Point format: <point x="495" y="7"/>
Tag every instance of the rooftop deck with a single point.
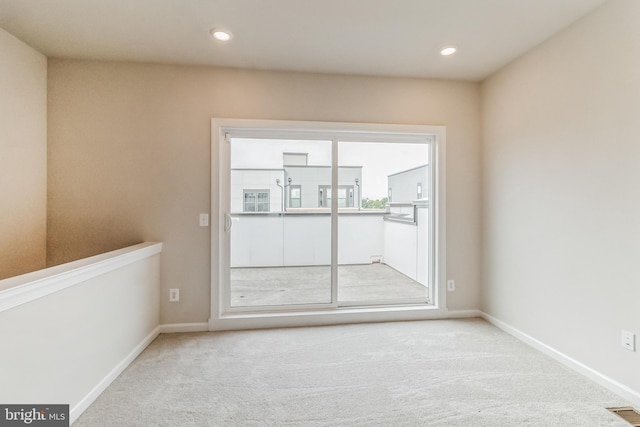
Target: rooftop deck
<point x="252" y="287"/>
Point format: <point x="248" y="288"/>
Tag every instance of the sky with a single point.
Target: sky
<point x="378" y="159"/>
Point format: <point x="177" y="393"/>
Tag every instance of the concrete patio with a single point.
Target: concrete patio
<point x="251" y="287"/>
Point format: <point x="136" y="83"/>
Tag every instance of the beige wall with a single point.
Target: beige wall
<point x="130" y="157"/>
<point x="561" y="156"/>
<point x="23" y="157"/>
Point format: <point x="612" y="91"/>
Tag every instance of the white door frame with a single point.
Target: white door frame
<point x="222" y="129"/>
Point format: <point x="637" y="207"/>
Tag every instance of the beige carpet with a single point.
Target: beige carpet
<point x="429" y="373"/>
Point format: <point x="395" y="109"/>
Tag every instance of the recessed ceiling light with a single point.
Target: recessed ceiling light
<point x="448" y="51"/>
<point x="221" y="35"/>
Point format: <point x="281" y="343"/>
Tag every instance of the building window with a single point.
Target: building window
<point x="390" y="194"/>
<point x="295" y="196"/>
<point x="419" y="190"/>
<point x="256" y="200"/>
<point x="345" y="196"/>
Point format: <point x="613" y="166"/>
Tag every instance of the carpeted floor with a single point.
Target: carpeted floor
<point x="429" y="373"/>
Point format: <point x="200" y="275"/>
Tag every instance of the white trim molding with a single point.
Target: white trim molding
<point x="335" y="317"/>
<point x="622" y="390"/>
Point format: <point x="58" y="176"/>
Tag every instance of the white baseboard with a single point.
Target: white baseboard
<point x="622" y="390"/>
<point x="464" y="314"/>
<point x="184" y="327"/>
<point x="77" y="410"/>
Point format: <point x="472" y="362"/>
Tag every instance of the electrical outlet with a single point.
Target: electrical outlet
<point x="174" y="295"/>
<point x="204" y="220"/>
<point x="451" y="285"/>
<point x="629" y="340"/>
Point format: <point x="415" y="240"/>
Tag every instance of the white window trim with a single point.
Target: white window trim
<point x="221" y="129"/>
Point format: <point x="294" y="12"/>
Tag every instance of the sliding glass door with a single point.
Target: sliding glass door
<point x="325" y="220"/>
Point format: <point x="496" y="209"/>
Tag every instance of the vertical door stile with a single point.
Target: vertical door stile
<point x="334" y="222"/>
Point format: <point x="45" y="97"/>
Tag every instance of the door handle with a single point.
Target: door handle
<point x="228" y="223"/>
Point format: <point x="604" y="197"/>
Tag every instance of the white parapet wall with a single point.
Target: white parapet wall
<point x="68" y="331"/>
<point x="400" y="246"/>
<point x="275" y="240"/>
<point x="406" y="240"/>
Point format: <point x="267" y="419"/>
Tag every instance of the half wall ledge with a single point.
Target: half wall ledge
<point x="28" y="287"/>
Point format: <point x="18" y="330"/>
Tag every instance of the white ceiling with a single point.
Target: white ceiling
<point x="369" y="37"/>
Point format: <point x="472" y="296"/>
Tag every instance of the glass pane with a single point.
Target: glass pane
<point x="383" y="245"/>
<point x="342" y="197"/>
<point x="279" y="256"/>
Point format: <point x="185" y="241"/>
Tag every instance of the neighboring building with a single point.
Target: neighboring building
<point x="408" y="186"/>
<point x="256" y="190"/>
<point x="296" y="185"/>
<point x="310" y="186"/>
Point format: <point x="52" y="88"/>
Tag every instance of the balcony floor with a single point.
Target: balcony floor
<point x="253" y="286"/>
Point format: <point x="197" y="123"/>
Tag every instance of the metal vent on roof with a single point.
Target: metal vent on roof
<point x="628" y="414"/>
